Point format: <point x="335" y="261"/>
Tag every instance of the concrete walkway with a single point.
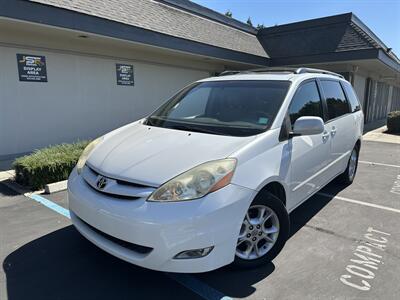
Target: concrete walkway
<point x="380" y="135"/>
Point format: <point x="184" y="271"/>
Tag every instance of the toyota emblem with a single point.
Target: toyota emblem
<point x="101" y="182"/>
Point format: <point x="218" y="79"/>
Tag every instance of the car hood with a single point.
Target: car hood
<point x="153" y="155"/>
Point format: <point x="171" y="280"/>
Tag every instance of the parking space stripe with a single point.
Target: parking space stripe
<point x="49" y="204"/>
<point x="197" y="286"/>
<point x="361" y="202"/>
<point x="378" y="164"/>
<point x="188" y="281"/>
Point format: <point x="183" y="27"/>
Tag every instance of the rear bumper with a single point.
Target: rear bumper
<point x="167" y="228"/>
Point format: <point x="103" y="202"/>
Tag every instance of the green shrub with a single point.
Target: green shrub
<point x="47" y="165"/>
<point x="393" y="121"/>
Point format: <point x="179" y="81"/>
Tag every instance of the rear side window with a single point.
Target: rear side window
<point x="351" y="95"/>
<point x="335" y="99"/>
<point x="306" y="102"/>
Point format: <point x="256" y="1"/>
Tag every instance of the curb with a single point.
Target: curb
<point x="55" y="187"/>
<point x="9" y="174"/>
<point x="7" y="178"/>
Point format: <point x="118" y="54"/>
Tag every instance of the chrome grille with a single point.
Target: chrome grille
<point x="115" y="187"/>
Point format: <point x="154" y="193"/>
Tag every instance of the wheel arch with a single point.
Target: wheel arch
<point x="275" y="188"/>
<point x="358" y="144"/>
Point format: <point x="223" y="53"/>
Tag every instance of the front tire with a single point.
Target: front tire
<point x="264" y="232"/>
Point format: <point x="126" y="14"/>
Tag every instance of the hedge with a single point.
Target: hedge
<point x="393" y="122"/>
<point x="47" y="165"/>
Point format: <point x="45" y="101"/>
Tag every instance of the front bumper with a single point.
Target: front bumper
<point x="167" y="228"/>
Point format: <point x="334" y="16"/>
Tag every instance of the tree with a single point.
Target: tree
<point x="228" y="14"/>
<point x="249" y="22"/>
<point x="260" y="26"/>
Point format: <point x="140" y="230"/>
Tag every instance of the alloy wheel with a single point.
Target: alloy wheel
<point x="353" y="164"/>
<point x="258" y="233"/>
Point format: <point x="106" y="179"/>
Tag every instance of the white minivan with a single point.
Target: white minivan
<point x="211" y="176"/>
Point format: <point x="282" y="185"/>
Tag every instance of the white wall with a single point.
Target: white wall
<point x="80" y="100"/>
<point x="359" y="87"/>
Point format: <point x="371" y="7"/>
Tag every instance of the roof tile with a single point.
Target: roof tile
<point x="159" y="17"/>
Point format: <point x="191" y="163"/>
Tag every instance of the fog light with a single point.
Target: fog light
<point x="196" y="253"/>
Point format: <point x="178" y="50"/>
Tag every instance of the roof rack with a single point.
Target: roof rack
<point x="281" y="70"/>
<point x="319" y="71"/>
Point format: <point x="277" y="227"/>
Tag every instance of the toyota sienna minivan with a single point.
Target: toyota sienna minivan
<point x="210" y="177"/>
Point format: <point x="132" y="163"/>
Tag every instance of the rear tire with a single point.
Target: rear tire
<point x="266" y="235"/>
<point x="347" y="177"/>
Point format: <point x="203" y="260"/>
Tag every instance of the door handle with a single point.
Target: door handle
<point x="325" y="136"/>
<point x="333" y="131"/>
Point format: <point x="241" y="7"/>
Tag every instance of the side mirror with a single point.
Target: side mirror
<point x="308" y="126"/>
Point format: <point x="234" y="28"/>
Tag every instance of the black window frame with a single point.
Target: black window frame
<point x="287" y="125"/>
<point x="326" y="103"/>
<point x="348" y="98"/>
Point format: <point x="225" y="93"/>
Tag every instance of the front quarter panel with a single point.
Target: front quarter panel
<point x="262" y="161"/>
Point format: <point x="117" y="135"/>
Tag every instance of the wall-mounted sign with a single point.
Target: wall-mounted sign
<point x="32" y="68"/>
<point x="125" y="74"/>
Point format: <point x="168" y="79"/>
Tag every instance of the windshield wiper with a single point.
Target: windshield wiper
<point x="149" y="122"/>
<point x="194" y="129"/>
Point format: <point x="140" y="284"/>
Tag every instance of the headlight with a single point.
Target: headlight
<point x="85" y="154"/>
<point x="196" y="182"/>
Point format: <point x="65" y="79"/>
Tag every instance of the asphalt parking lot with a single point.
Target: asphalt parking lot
<point x="345" y="244"/>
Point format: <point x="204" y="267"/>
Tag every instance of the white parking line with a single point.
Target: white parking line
<point x="361" y="202"/>
<point x="378" y="164"/>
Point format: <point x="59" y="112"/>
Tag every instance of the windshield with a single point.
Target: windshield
<point x="238" y="108"/>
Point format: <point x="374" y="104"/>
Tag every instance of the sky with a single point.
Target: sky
<point x="381" y="16"/>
